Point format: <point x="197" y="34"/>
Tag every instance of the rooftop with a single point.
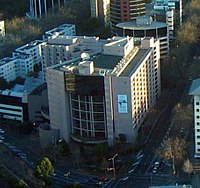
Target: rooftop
<point x="28" y="46"/>
<point x="195" y="87"/>
<point x="20" y="90"/>
<point x="133" y="25"/>
<point x="135" y="62"/>
<point x="6" y="60"/>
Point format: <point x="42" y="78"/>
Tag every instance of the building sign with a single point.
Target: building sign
<point x="122" y="104"/>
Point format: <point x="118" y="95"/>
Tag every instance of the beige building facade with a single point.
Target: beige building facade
<point x="97" y="97"/>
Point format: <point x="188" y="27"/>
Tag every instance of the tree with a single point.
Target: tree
<point x="189" y="33"/>
<point x="121" y="139"/>
<point x="44" y="169"/>
<point x="101" y="150"/>
<point x="104" y="164"/>
<point x="3" y="84"/>
<point x="64" y="148"/>
<point x="188" y="167"/>
<point x="174" y="149"/>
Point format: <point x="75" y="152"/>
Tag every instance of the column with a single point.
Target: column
<point x="35" y="7"/>
<point x="40" y="9"/>
<point x="45" y="7"/>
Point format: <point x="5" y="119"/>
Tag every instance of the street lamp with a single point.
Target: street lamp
<point x="113" y="164"/>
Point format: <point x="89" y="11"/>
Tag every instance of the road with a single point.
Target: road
<point x="140" y="173"/>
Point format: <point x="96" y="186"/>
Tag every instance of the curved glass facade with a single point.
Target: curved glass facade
<point x="88" y="117"/>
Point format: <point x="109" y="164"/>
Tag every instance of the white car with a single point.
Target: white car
<point x="154" y="171"/>
<point x="1" y="141"/>
<point x="155" y="167"/>
<point x="2" y="131"/>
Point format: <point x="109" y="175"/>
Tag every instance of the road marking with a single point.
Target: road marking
<point x="140" y="156"/>
<point x="138" y="153"/>
<point x="135" y="164"/>
<point x="124" y="179"/>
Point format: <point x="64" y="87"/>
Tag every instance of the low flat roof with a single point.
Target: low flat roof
<point x="133" y="26"/>
<point x="135" y="62"/>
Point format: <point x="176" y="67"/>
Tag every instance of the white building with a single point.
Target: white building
<point x="11" y="68"/>
<point x="62" y="30"/>
<point x="195" y="91"/>
<point x="32" y="49"/>
<point x="99" y="95"/>
<point x="175" y="5"/>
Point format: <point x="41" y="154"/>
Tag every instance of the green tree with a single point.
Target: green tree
<point x="64" y="148"/>
<point x="101" y="150"/>
<point x="189" y="33"/>
<point x="44" y="169"/>
<point x="174" y="149"/>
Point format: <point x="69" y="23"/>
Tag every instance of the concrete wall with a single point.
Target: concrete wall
<point x="122" y="120"/>
<point x="58" y="103"/>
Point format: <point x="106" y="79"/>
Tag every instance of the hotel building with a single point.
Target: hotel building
<point x="106" y="91"/>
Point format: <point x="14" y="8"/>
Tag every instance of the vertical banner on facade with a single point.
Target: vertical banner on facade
<point x="122" y="104"/>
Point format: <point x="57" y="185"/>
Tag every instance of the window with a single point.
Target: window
<point x="197" y="117"/>
<point x="197" y="110"/>
<point x="197" y="123"/>
<point x="197" y="103"/>
<point x="198" y="130"/>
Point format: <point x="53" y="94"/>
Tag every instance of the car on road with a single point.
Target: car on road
<point x="2" y="131"/>
<point x="155" y="167"/>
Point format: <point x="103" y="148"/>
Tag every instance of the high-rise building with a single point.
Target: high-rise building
<point x="42" y="7"/>
<point x="105" y="92"/>
<point x="101" y="9"/>
<point x="195" y="92"/>
<point x="125" y="10"/>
